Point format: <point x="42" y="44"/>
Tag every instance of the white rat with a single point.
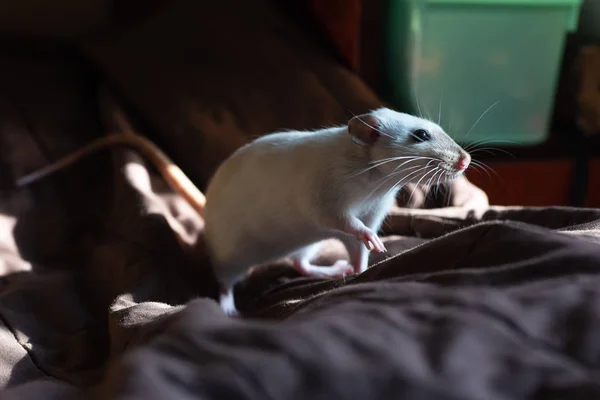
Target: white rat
<point x="284" y="193"/>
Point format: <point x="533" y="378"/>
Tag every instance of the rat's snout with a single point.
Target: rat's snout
<point x="463" y="161"/>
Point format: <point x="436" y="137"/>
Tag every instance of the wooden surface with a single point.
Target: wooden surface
<point x="593" y="198"/>
<point x="532" y="183"/>
<point x="535" y="183"/>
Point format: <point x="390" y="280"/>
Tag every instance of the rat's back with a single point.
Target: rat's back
<point x="255" y="200"/>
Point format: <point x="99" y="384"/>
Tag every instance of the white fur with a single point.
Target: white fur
<point x="284" y="193"/>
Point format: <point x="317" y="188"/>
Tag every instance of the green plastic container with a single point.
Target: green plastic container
<point x="470" y="55"/>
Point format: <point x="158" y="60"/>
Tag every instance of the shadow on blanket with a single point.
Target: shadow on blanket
<point x="102" y="298"/>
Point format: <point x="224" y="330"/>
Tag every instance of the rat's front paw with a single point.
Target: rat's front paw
<point x="227" y="303"/>
<point x="371" y="240"/>
<point x="364" y="234"/>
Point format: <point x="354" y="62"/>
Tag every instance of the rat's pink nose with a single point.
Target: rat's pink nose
<point x="463" y="162"/>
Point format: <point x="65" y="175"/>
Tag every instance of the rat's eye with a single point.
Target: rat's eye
<point x="421" y="135"/>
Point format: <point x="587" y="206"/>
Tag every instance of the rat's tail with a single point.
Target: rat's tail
<point x="174" y="176"/>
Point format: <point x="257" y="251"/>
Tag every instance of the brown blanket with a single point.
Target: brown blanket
<point x="105" y="296"/>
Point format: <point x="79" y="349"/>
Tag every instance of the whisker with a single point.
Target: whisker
<point x="380" y="164"/>
<point x="481" y="116"/>
<point x="417" y="185"/>
<point x="396" y="172"/>
<point x="440" y="180"/>
<point x="428" y="183"/>
<point x="443" y="188"/>
<point x="401" y="180"/>
<point x="449" y="196"/>
<point x="424" y="158"/>
<point x="372" y="127"/>
<point x="480" y="169"/>
<point x="483" y="141"/>
<point x="475" y="168"/>
<point x="440" y="109"/>
<point x="418" y="106"/>
<point x="481" y="164"/>
<point x="452" y="135"/>
<point x="491" y="149"/>
<point x="431" y="180"/>
<point x="388" y="161"/>
<point x="392" y="175"/>
<point x="488" y="168"/>
<point x="397" y="184"/>
<point x="437" y="188"/>
<point x="397" y="158"/>
<point x="443" y="184"/>
<point x="481" y="150"/>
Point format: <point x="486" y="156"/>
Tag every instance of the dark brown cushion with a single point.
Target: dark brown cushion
<point x="204" y="98"/>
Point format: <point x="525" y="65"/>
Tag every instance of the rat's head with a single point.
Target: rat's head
<point x="413" y="149"/>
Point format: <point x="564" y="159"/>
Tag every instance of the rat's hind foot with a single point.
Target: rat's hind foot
<point x="227" y="303"/>
<point x="338" y="270"/>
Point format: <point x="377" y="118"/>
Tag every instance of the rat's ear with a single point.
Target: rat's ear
<point x="364" y="129"/>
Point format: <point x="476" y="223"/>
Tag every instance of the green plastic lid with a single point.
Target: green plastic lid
<point x="536" y="3"/>
<point x="571" y="25"/>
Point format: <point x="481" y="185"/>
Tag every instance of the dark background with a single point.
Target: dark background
<point x="563" y="171"/>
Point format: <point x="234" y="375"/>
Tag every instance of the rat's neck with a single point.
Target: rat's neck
<point x="354" y="158"/>
<point x="374" y="180"/>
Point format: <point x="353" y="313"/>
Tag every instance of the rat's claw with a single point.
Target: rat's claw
<point x="372" y="241"/>
<point x="380" y="247"/>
